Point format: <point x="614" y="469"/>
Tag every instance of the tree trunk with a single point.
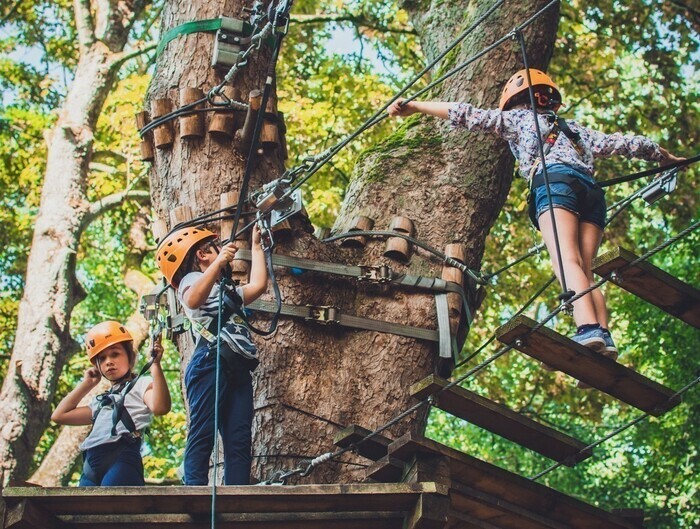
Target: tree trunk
<point x="43" y="342"/>
<point x="314" y="379"/>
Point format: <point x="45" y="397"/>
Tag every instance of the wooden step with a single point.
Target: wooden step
<point x="594" y="369"/>
<point x="502" y="421"/>
<point x="503" y="499"/>
<point x="374" y="448"/>
<point x="651" y="284"/>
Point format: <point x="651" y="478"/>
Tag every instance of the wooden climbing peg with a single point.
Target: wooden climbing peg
<point x="458" y="252"/>
<point x="398" y="248"/>
<point x="269" y="136"/>
<point x="191" y="125"/>
<point x="163" y="135"/>
<point x="283" y="153"/>
<point x="254" y="103"/>
<point x="223" y="124"/>
<point x="147" y="151"/>
<point x="359" y="223"/>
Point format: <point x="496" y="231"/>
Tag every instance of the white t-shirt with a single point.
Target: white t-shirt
<point x="235" y="332"/>
<point x="102" y="428"/>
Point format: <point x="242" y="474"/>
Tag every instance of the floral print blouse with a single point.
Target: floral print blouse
<point x="517" y="127"/>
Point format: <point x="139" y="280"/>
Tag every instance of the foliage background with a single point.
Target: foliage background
<point x="631" y="67"/>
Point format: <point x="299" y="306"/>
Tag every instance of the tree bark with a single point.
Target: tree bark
<point x="314" y="379"/>
<point x="43" y="342"/>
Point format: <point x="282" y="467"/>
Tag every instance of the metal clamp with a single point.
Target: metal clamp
<point x="375" y="274"/>
<point x="228" y="43"/>
<point x="323" y="314"/>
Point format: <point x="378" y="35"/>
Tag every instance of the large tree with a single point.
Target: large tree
<point x="313" y="379"/>
<point x="43" y="342"/>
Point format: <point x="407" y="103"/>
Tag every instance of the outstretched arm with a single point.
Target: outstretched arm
<point x="157" y="395"/>
<point x="438" y="109"/>
<point x="68" y="412"/>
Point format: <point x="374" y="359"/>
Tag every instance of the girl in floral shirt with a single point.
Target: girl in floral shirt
<point x="578" y="204"/>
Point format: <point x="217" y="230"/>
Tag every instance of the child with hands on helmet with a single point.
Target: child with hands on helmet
<point x="578" y="203"/>
<point x="193" y="263"/>
<point x="111" y="452"/>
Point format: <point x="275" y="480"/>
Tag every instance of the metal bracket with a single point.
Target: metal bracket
<point x="375" y="274"/>
<point x="661" y="187"/>
<point x="227" y="43"/>
<point x="272" y="198"/>
<point x="323" y="314"/>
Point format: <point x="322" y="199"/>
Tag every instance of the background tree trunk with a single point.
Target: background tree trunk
<point x="312" y="379"/>
<point x="43" y="342"/>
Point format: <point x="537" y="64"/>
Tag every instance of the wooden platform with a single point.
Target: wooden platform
<point x="502" y="421"/>
<point x="651" y="284"/>
<point x="485" y="496"/>
<point x="355" y="506"/>
<point x="583" y="364"/>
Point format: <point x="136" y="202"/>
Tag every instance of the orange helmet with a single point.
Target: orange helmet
<point x="173" y="250"/>
<point x="518" y="84"/>
<point x="105" y="334"/>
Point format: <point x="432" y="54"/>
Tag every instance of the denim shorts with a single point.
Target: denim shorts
<point x="584" y="200"/>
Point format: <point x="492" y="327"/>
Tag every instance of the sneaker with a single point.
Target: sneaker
<point x="594" y="339"/>
<point x="610" y="350"/>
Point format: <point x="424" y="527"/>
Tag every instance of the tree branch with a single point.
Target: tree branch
<point x="110" y="202"/>
<point x="83" y="22"/>
<point x="121" y="58"/>
<point x="358" y="20"/>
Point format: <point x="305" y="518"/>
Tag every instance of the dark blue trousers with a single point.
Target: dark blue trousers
<point x="235" y="420"/>
<point x="125" y="470"/>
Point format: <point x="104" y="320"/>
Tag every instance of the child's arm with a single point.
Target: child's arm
<point x="497" y="122"/>
<point x="68" y="412"/>
<point x="257" y="285"/>
<point x="629" y="146"/>
<point x="198" y="293"/>
<point x="157" y="395"/>
<point x="438" y="109"/>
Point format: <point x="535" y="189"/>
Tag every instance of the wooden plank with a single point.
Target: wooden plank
<point x="338" y="520"/>
<point x="374" y="448"/>
<point x="386" y="470"/>
<point x="460" y="520"/>
<point x="231" y="499"/>
<point x="430" y="512"/>
<point x="508" y="487"/>
<point x="502" y="421"/>
<point x="651" y="284"/>
<point x="583" y="364"/>
<point x="507" y="514"/>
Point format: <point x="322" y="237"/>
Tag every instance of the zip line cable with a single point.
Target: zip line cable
<point x="616" y="431"/>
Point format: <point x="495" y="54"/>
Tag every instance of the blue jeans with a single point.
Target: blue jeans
<point x="125" y="470"/>
<point x="235" y="420"/>
<point x="581" y="199"/>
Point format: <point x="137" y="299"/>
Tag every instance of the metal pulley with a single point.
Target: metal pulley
<point x="274" y="197"/>
<point x="661" y="187"/>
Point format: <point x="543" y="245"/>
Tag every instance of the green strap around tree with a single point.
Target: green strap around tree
<point x="196" y="26"/>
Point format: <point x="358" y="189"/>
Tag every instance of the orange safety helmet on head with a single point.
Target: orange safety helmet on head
<point x="105" y="334"/>
<point x="518" y="84"/>
<point x="173" y="250"/>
